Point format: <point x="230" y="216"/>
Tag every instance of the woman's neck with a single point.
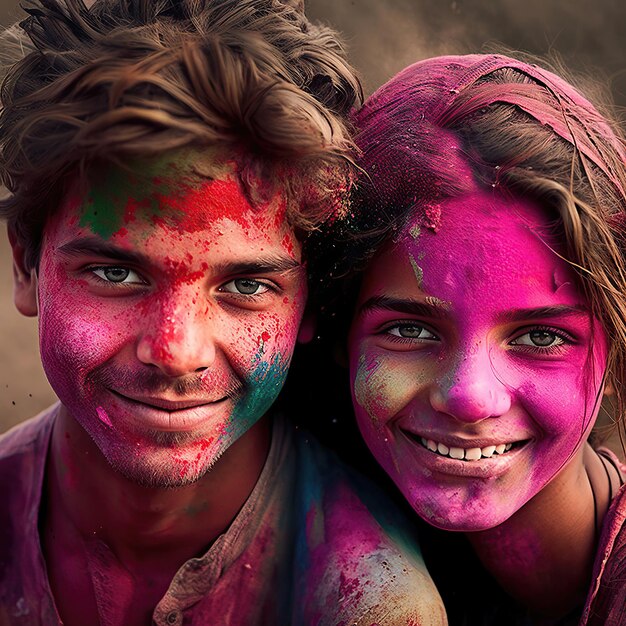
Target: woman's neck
<point x="543" y="555"/>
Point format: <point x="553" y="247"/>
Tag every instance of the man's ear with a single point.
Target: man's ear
<point x="24" y="280"/>
<point x="308" y="326"/>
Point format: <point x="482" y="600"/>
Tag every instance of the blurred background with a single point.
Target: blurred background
<point x="382" y="37"/>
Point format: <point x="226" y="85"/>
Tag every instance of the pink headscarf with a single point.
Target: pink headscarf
<point x="438" y="86"/>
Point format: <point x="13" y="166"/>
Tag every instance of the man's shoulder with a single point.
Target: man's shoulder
<point x="358" y="553"/>
<point x="26" y="437"/>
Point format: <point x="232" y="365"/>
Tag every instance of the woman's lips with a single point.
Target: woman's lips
<point x="469" y="458"/>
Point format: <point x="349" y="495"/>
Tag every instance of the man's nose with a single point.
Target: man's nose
<point x="471" y="389"/>
<point x="178" y="338"/>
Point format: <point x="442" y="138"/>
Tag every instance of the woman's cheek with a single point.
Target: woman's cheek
<point x="558" y="398"/>
<point x="384" y="384"/>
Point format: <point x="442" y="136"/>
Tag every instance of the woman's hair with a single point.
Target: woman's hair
<point x="128" y="79"/>
<point x="449" y="125"/>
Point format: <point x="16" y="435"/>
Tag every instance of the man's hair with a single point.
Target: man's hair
<point x="450" y="125"/>
<point x="128" y="79"/>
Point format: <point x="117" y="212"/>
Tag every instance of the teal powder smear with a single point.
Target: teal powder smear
<point x="263" y="387"/>
<point x="121" y="195"/>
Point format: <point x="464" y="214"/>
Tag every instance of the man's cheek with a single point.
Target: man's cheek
<point x="263" y="382"/>
<point x="276" y="333"/>
<point x="74" y="340"/>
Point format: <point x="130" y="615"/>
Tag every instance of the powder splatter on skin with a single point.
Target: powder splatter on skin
<point x="264" y="385"/>
<point x="432" y="217"/>
<point x="419" y="274"/>
<point x="415" y="231"/>
<point x="103" y="417"/>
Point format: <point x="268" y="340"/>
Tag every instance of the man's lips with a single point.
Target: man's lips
<point x="166" y="404"/>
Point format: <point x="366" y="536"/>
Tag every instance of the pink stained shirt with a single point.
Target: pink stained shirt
<point x="606" y="602"/>
<point x="304" y="549"/>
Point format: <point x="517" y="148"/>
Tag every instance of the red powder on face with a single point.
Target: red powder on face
<point x="287" y="243"/>
<point x="200" y="207"/>
<point x="265" y="336"/>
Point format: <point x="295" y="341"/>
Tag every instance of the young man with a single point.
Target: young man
<point x="166" y="159"/>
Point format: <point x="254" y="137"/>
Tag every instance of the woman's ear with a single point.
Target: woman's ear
<point x="24" y="280"/>
<point x="308" y="326"/>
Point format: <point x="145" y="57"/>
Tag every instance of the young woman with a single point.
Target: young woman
<point x="488" y="323"/>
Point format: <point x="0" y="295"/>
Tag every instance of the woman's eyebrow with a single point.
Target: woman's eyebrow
<point x="534" y="313"/>
<point x="433" y="308"/>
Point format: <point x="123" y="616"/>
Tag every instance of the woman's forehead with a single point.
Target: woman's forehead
<point x="480" y="247"/>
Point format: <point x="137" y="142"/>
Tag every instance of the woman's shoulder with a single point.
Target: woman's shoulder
<point x="606" y="603"/>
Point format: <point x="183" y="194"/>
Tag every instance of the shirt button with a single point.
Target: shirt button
<point x="172" y="617"/>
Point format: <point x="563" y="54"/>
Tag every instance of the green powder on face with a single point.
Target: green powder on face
<point x="120" y="195"/>
<point x="415" y="231"/>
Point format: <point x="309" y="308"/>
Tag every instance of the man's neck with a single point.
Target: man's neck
<point x="543" y="555"/>
<point x="139" y="524"/>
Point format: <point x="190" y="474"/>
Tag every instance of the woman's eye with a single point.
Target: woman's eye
<point x="245" y="287"/>
<point x="120" y="275"/>
<point x="538" y="339"/>
<point x="411" y="331"/>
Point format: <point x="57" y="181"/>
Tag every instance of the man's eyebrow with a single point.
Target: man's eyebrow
<point x="559" y="310"/>
<point x="92" y="246"/>
<point x="433" y="308"/>
<point x="261" y="265"/>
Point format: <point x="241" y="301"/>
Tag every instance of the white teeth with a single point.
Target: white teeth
<point x="473" y="454"/>
<point x="470" y="454"/>
<point x="488" y="451"/>
<point x="457" y="453"/>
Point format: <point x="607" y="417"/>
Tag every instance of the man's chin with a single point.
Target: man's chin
<point x="164" y="469"/>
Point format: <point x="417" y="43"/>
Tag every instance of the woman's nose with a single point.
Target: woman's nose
<point x="471" y="390"/>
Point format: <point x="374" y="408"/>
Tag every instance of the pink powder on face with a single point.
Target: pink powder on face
<point x="464" y="373"/>
<point x="104" y="418"/>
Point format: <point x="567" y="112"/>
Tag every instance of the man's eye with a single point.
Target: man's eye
<point x="411" y="331"/>
<point x="539" y="339"/>
<point x="245" y="287"/>
<point x="120" y="275"/>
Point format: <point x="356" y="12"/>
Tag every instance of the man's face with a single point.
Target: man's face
<point x="169" y="309"/>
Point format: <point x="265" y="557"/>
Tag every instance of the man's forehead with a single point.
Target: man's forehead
<point x="187" y="191"/>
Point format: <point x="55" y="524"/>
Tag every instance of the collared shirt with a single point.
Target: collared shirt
<point x="313" y="544"/>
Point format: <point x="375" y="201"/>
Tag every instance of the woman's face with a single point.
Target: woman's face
<point x="475" y="365"/>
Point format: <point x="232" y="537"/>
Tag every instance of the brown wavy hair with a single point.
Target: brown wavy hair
<point x="128" y="79"/>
